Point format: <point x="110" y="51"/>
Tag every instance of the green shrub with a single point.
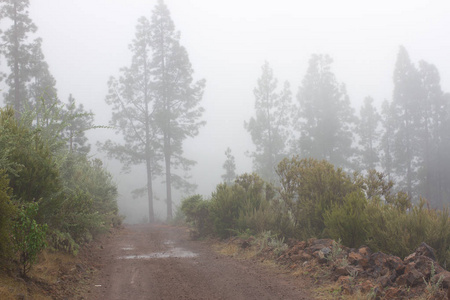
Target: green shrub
<point x="80" y="220"/>
<point x="7" y="212"/>
<point x="29" y="238"/>
<point x="77" y="197"/>
<point x="62" y="241"/>
<point x="88" y="206"/>
<point x="398" y="231"/>
<point x="197" y="213"/>
<point x="225" y="206"/>
<point x="309" y="188"/>
<point x="349" y="220"/>
<point x="245" y="205"/>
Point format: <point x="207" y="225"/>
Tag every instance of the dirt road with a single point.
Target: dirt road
<point x="161" y="262"/>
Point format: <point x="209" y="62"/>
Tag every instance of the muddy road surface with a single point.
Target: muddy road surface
<point x="161" y="262"/>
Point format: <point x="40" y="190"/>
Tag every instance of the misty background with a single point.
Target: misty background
<point x="86" y="42"/>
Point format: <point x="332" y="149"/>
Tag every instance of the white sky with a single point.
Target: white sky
<point x="86" y="41"/>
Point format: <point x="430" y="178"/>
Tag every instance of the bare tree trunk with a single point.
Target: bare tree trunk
<point x="17" y="100"/>
<point x="167" y="155"/>
<point x="151" y="214"/>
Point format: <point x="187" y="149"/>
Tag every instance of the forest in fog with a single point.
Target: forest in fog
<point x="295" y="157"/>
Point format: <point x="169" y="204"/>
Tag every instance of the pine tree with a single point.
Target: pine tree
<point x="17" y="51"/>
<point x="177" y="97"/>
<point x="387" y="139"/>
<point x="78" y="121"/>
<point x="325" y="119"/>
<point x="41" y="87"/>
<point x="31" y="85"/>
<point x="132" y="100"/>
<point x="269" y="130"/>
<point x="230" y="167"/>
<point x="433" y="133"/>
<point x="368" y="131"/>
<point x="406" y="110"/>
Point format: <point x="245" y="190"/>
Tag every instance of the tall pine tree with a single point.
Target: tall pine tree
<point x="269" y="129"/>
<point x="78" y="121"/>
<point x="433" y="136"/>
<point x="406" y="116"/>
<point x="368" y="130"/>
<point x="31" y="85"/>
<point x="386" y="146"/>
<point x="324" y="119"/>
<point x="133" y="100"/>
<point x="17" y="49"/>
<point x="41" y="87"/>
<point x="177" y="97"/>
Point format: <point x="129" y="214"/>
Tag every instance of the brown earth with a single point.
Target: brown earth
<point x="162" y="262"/>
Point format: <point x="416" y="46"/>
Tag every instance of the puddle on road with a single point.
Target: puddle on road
<point x="172" y="253"/>
<point x="128" y="248"/>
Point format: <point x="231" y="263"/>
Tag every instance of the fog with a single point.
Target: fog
<point x="86" y="42"/>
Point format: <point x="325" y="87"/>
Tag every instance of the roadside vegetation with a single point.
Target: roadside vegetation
<point x="51" y="197"/>
<point x="316" y="199"/>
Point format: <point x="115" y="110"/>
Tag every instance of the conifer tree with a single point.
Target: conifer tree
<point x="387" y="139"/>
<point x="177" y="97"/>
<point x="78" y="122"/>
<point x="230" y="167"/>
<point x="41" y="87"/>
<point x="17" y="49"/>
<point x="368" y="131"/>
<point x="31" y="85"/>
<point x="406" y="115"/>
<point x="324" y="119"/>
<point x="433" y="134"/>
<point x="269" y="129"/>
<point x="132" y="100"/>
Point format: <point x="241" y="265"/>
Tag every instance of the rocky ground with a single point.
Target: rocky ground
<point x="360" y="273"/>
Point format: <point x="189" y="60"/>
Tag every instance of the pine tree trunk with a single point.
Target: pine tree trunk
<point x="17" y="100"/>
<point x="151" y="214"/>
<point x="168" y="175"/>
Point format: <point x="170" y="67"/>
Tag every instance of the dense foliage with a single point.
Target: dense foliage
<point x="316" y="199"/>
<point x="51" y="193"/>
<point x="407" y="139"/>
<point x="48" y="192"/>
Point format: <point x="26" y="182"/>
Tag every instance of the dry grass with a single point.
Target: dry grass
<point x="49" y="266"/>
<point x="235" y="250"/>
<point x="11" y="287"/>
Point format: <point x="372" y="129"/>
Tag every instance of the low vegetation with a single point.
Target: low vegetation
<point x="51" y="196"/>
<point x="315" y="199"/>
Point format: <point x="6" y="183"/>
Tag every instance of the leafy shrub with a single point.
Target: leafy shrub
<point x="315" y="199"/>
<point x="89" y="203"/>
<point x="79" y="218"/>
<point x="244" y="205"/>
<point x="76" y="195"/>
<point x="349" y="220"/>
<point x="197" y="213"/>
<point x="29" y="238"/>
<point x="7" y="212"/>
<point x="309" y="188"/>
<point x="226" y="203"/>
<point x="62" y="241"/>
